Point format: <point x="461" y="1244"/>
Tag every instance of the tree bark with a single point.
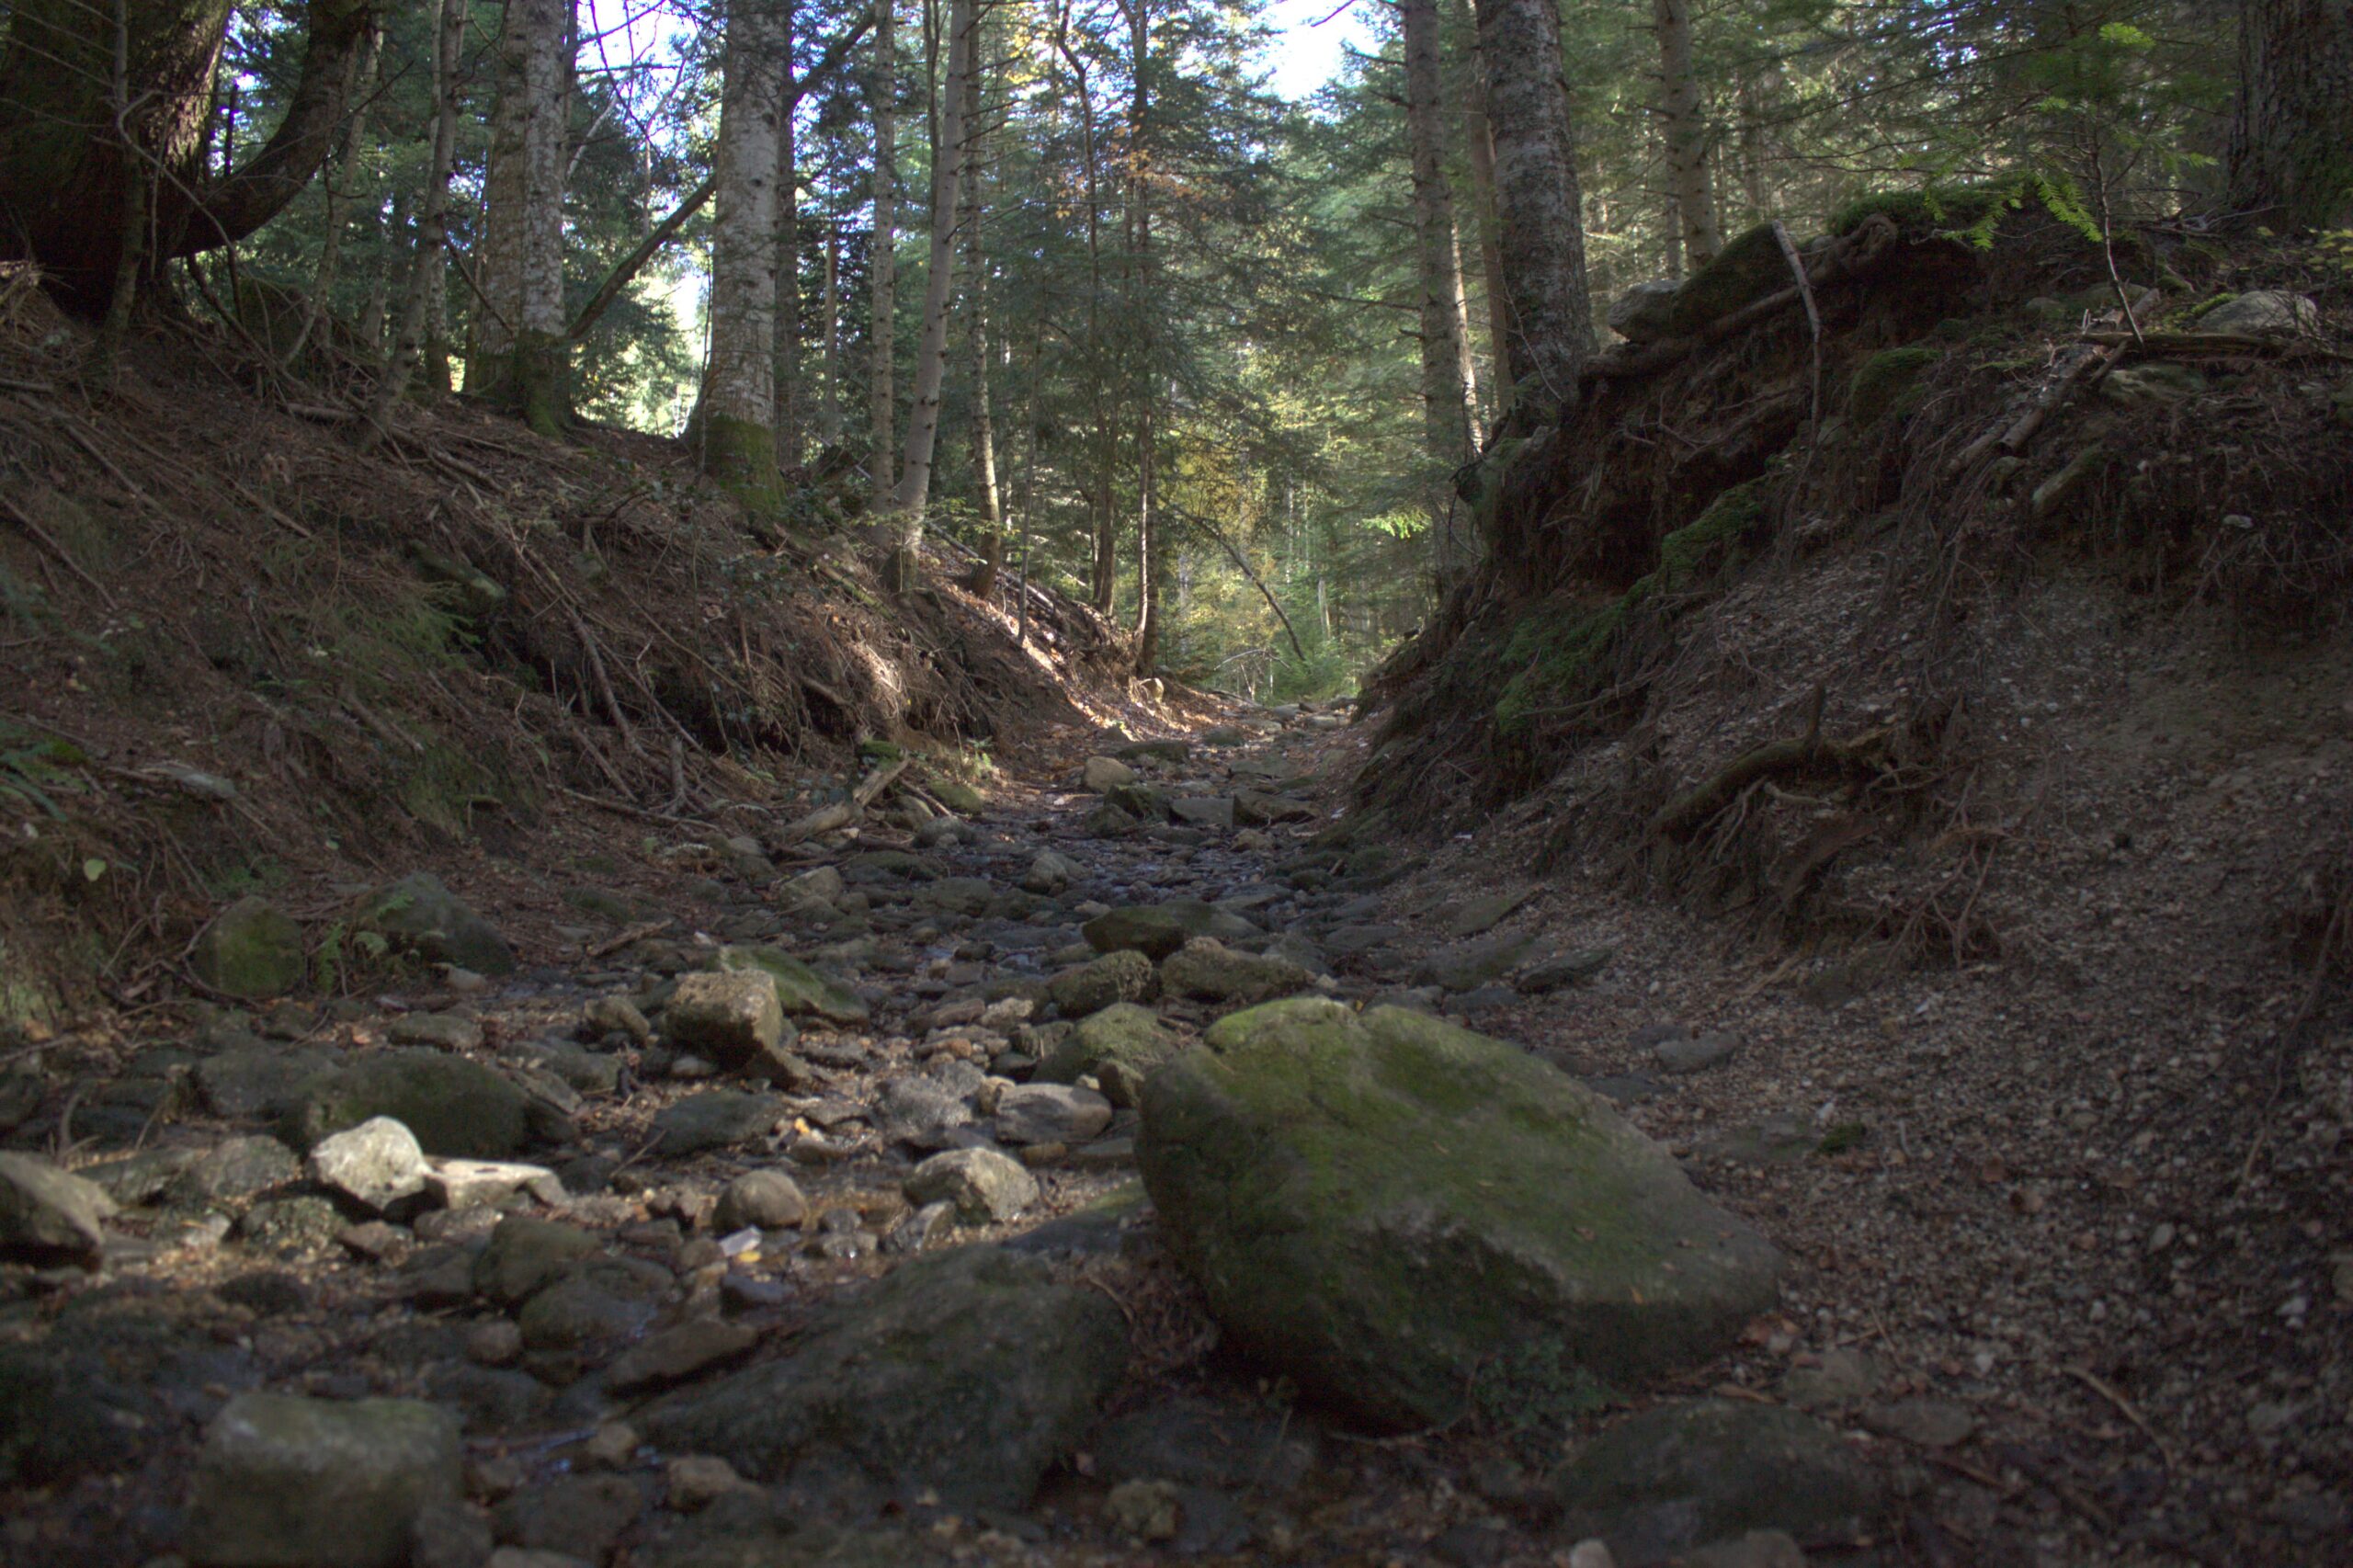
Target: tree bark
<point x="1140" y="309"/>
<point x="829" y="406"/>
<point x="882" y="263"/>
<point x="340" y="172"/>
<point x="904" y="526"/>
<point x="68" y="178"/>
<point x="1542" y="241"/>
<point x="1446" y="410"/>
<point x="432" y="221"/>
<point x="734" y="427"/>
<point x="1479" y="146"/>
<point x="521" y="354"/>
<point x="1104" y="568"/>
<point x="787" y="256"/>
<point x="2290" y="164"/>
<point x="1685" y="128"/>
<point x="977" y="319"/>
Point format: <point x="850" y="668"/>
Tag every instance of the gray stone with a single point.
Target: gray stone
<point x="1101" y="772"/>
<point x="48" y="1215"/>
<point x="967" y="1372"/>
<point x="1050" y="1113"/>
<point x="983" y="1185"/>
<point x="1565" y="969"/>
<point x="285" y="1482"/>
<point x="377" y="1164"/>
<point x="1841" y="1377"/>
<point x="580" y="1516"/>
<point x="257" y="1081"/>
<point x="525" y="1255"/>
<point x="1695" y="1053"/>
<point x="2263" y="312"/>
<point x="1050" y="872"/>
<point x="1930" y="1423"/>
<point x="1207" y="970"/>
<point x="289" y="1225"/>
<point x="1203" y="811"/>
<point x="442" y="1031"/>
<point x="1159" y="751"/>
<point x="419" y="914"/>
<point x="597" y="1301"/>
<point x="1644" y="313"/>
<point x="483" y="1184"/>
<point x="1199" y="1442"/>
<point x="802" y="990"/>
<point x="1387" y="1206"/>
<point x="922" y="1110"/>
<point x="678" y="1354"/>
<point x="1157" y="930"/>
<point x="770" y="1200"/>
<point x="731" y="1017"/>
<point x="232" y="1170"/>
<point x="1483" y="914"/>
<point x="252" y="950"/>
<point x="455" y="1106"/>
<point x="1675" y="1478"/>
<point x="714" y="1119"/>
<point x="1465" y="966"/>
<point x="1122" y="976"/>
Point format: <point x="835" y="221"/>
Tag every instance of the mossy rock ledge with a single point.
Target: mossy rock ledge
<point x="1384" y="1206"/>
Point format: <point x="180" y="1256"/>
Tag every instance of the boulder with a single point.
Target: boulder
<point x="1388" y="1208"/>
<point x="800" y="990"/>
<point x="731" y="1016"/>
<point x="453" y="1106"/>
<point x="376" y="1163"/>
<point x="714" y="1119"/>
<point x="1102" y="773"/>
<point x="285" y="1482"/>
<point x="1157" y="930"/>
<point x="525" y="1255"/>
<point x="982" y="1185"/>
<point x="252" y="949"/>
<point x="967" y="1372"/>
<point x="1206" y="969"/>
<point x="1050" y="873"/>
<point x="768" y="1199"/>
<point x="1466" y="966"/>
<point x="2262" y="312"/>
<point x="48" y="1215"/>
<point x="1124" y="975"/>
<point x="1050" y="1113"/>
<point x="1159" y="751"/>
<point x="1661" y="1484"/>
<point x="1119" y="1047"/>
<point x="419" y="914"/>
<point x="1203" y="811"/>
<point x="1643" y="314"/>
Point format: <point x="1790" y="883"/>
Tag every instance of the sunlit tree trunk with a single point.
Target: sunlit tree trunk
<point x="908" y="503"/>
<point x="420" y="303"/>
<point x="521" y="359"/>
<point x="1542" y="240"/>
<point x="341" y="176"/>
<point x="1479" y="146"/>
<point x="1104" y="568"/>
<point x="1685" y="128"/>
<point x="732" y="427"/>
<point x="2290" y="162"/>
<point x="882" y="263"/>
<point x="977" y="319"/>
<point x="1140" y="309"/>
<point x="829" y="406"/>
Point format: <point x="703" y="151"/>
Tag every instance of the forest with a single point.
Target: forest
<point x="1505" y="784"/>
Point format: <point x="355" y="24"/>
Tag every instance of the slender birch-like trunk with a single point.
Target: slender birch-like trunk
<point x="1478" y="144"/>
<point x="420" y="304"/>
<point x="1684" y="125"/>
<point x="977" y="318"/>
<point x="882" y="264"/>
<point x="734" y="427"/>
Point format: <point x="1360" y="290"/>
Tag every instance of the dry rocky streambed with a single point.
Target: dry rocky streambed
<point x="1030" y="1192"/>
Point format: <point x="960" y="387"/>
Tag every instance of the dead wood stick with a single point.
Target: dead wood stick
<point x="2014" y="436"/>
<point x="604" y="682"/>
<point x="2124" y="1408"/>
<point x="41" y="536"/>
<point x="1682" y="815"/>
<point x="635" y="933"/>
<point x="841" y="813"/>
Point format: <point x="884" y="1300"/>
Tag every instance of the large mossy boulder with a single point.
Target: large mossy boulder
<point x="1660" y="1483"/>
<point x="454" y="1106"/>
<point x="1389" y="1207"/>
<point x="252" y="950"/>
<point x="1157" y="930"/>
<point x="802" y="990"/>
<point x="420" y="914"/>
<point x="1121" y="1047"/>
<point x="967" y="1372"/>
<point x="320" y="1484"/>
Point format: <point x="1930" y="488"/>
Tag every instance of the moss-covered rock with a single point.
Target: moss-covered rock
<point x="1744" y="271"/>
<point x="1207" y="970"/>
<point x="800" y="990"/>
<point x="968" y="1372"/>
<point x="1941" y="209"/>
<point x="1382" y="1204"/>
<point x="335" y="1483"/>
<point x="252" y="949"/>
<point x="1157" y="930"/>
<point x="454" y="1106"/>
<point x="1121" y="1046"/>
<point x="1884" y="383"/>
<point x="1124" y="975"/>
<point x="420" y="914"/>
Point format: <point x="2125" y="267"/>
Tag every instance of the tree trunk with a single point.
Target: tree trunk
<point x="1755" y="83"/>
<point x="1104" y="568"/>
<point x="1138" y="271"/>
<point x="337" y="179"/>
<point x="882" y="263"/>
<point x="69" y="178"/>
<point x="1467" y="361"/>
<point x="417" y="306"/>
<point x="1446" y="400"/>
<point x="733" y="428"/>
<point x="1685" y="128"/>
<point x="904" y="525"/>
<point x="787" y="256"/>
<point x="521" y="360"/>
<point x="829" y="406"/>
<point x="2290" y="162"/>
<point x="1542" y="243"/>
<point x="977" y="318"/>
<point x="1478" y="144"/>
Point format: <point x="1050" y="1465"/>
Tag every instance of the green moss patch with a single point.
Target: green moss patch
<point x="1949" y="209"/>
<point x="1884" y="383"/>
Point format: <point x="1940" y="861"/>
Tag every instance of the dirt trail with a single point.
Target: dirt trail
<point x="704" y="1220"/>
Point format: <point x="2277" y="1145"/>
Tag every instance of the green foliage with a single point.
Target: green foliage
<point x="1532" y="1395"/>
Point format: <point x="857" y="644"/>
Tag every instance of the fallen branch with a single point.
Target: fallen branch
<point x="2013" y="437"/>
<point x="614" y="943"/>
<point x="841" y="813"/>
